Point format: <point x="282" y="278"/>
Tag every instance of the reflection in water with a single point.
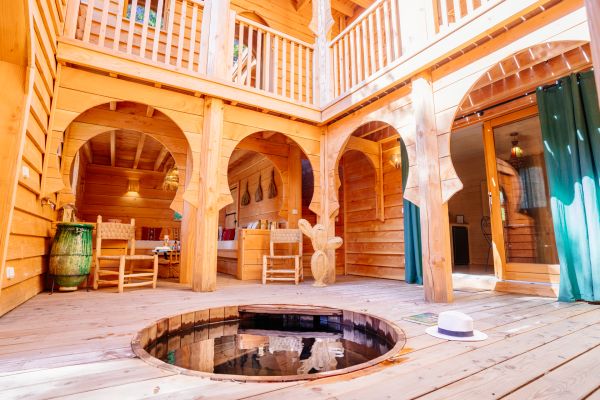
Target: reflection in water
<point x="271" y="346"/>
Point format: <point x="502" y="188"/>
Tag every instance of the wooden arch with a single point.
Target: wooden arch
<point x="98" y="120"/>
<point x="506" y="74"/>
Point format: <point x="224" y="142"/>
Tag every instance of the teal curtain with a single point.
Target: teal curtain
<point x="570" y="122"/>
<point x="412" y="230"/>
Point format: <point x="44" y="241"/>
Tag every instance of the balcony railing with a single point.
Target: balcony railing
<point x="367" y="45"/>
<point x="168" y="33"/>
<point x="265" y="59"/>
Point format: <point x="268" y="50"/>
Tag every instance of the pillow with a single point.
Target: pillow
<point x="228" y="234"/>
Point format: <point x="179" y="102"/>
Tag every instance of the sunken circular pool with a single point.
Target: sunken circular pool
<point x="268" y="343"/>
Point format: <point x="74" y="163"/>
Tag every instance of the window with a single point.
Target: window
<point x="141" y="10"/>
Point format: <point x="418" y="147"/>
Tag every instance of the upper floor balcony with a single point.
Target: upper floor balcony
<point x="168" y="42"/>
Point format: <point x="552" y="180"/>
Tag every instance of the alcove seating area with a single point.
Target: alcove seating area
<point x="121" y="175"/>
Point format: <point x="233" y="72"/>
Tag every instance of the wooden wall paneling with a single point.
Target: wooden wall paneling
<point x="294" y="207"/>
<point x="435" y="234"/>
<point x="188" y="230"/>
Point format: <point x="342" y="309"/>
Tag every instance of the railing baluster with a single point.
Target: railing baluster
<point x="145" y="24"/>
<point x="284" y="67"/>
<point x="182" y="21"/>
<point x="300" y="72"/>
<point x="359" y="53"/>
<point x="156" y="39"/>
<point x="365" y="47"/>
<point x="102" y="36"/>
<point x="470" y="7"/>
<point x="267" y="69"/>
<point x="395" y="29"/>
<point x="240" y="52"/>
<point x="372" y="41"/>
<point x="336" y="84"/>
<point x="308" y="71"/>
<point x="170" y="27"/>
<point x="276" y="66"/>
<point x="257" y="77"/>
<point x="292" y="72"/>
<point x="193" y="37"/>
<point x="352" y="57"/>
<point x="118" y="26"/>
<point x="388" y="41"/>
<point x="346" y="62"/>
<point x="132" y="16"/>
<point x="88" y="21"/>
<point x="443" y="12"/>
<point x="457" y="11"/>
<point x="249" y="57"/>
<point x="379" y="37"/>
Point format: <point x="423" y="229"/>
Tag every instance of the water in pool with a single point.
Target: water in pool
<point x="271" y="345"/>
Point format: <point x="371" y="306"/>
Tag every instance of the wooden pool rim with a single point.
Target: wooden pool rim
<point x="359" y="320"/>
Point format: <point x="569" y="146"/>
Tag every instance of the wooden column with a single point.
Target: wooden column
<point x="294" y="185"/>
<point x="207" y="216"/>
<point x="188" y="230"/>
<point x="329" y="204"/>
<point x="17" y="76"/>
<point x="321" y="25"/>
<point x="435" y="234"/>
<point x="214" y="39"/>
<point x="593" y="16"/>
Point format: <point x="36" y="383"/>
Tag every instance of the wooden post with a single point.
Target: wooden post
<point x="329" y="205"/>
<point x="294" y="186"/>
<point x="188" y="230"/>
<point x="214" y="39"/>
<point x="207" y="216"/>
<point x="593" y="16"/>
<point x="321" y="25"/>
<point x="435" y="234"/>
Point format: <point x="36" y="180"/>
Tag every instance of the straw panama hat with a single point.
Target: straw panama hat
<point x="455" y="325"/>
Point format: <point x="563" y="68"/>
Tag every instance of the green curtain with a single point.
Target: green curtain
<point x="570" y="122"/>
<point x="412" y="231"/>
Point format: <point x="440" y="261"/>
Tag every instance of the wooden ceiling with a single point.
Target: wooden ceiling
<point x="127" y="149"/>
<point x="349" y="9"/>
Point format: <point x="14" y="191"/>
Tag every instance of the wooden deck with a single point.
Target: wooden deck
<point x="77" y="345"/>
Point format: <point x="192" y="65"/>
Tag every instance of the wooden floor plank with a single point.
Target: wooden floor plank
<point x="45" y="352"/>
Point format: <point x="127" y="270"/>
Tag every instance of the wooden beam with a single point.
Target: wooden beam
<point x="113" y="106"/>
<point x="139" y="150"/>
<point x="362" y="3"/>
<point x="342" y="7"/>
<point x="435" y="227"/>
<point x="267" y="135"/>
<point x="113" y="148"/>
<point x="87" y="151"/>
<point x="592" y="8"/>
<point x="161" y="157"/>
<point x="300" y="4"/>
<point x="150" y="112"/>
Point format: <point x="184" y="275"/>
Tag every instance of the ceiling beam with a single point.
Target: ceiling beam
<point x="138" y="151"/>
<point x="88" y="152"/>
<point x="362" y="3"/>
<point x="150" y="112"/>
<point x="342" y="7"/>
<point x="113" y="106"/>
<point x="161" y="157"/>
<point x="113" y="148"/>
<point x="267" y="135"/>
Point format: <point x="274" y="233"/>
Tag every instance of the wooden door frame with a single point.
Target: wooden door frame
<point x="498" y="241"/>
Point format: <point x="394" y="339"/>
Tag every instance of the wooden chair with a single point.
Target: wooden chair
<point x="135" y="277"/>
<point x="270" y="272"/>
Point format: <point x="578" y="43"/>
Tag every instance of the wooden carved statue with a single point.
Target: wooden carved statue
<point x="319" y="262"/>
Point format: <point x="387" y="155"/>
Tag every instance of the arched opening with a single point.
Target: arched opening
<point x="271" y="183"/>
<point x="126" y="161"/>
<point x="370" y="218"/>
<point x="501" y="220"/>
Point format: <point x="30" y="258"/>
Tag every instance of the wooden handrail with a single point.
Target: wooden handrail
<point x="265" y="28"/>
<point x="358" y="20"/>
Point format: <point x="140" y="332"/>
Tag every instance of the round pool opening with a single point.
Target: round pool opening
<point x="268" y="343"/>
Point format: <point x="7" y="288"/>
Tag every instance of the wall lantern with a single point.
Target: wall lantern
<point x="133" y="185"/>
<point x="396" y="158"/>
